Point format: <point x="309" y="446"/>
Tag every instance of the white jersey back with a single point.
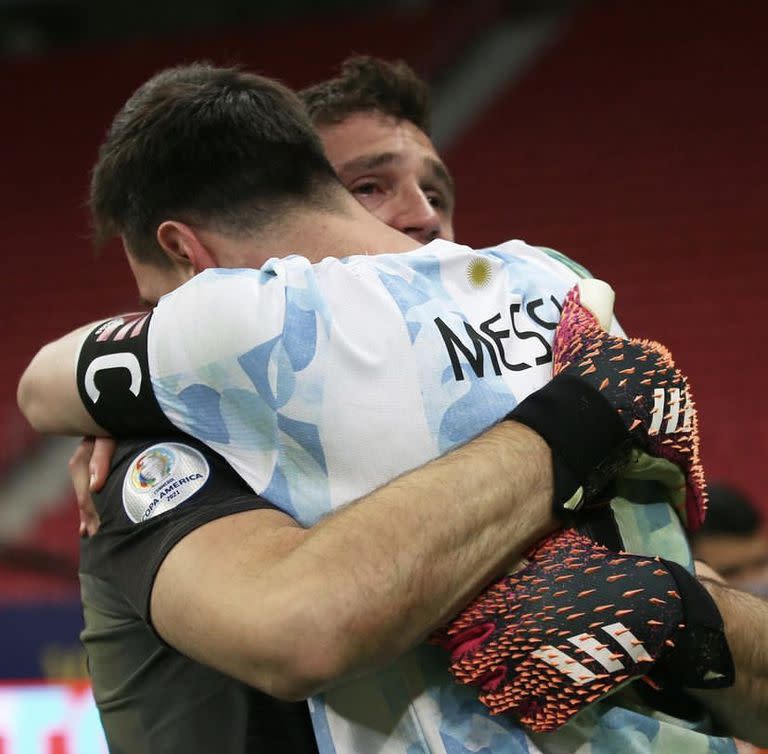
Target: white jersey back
<point x="320" y="382"/>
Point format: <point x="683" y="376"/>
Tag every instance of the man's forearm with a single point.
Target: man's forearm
<point x="743" y="708"/>
<point x="47" y="394"/>
<point x="448" y="545"/>
<point x="374" y="578"/>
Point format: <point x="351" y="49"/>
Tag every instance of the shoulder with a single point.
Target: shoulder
<point x="541" y="256"/>
<point x="152" y="478"/>
<point x="215" y="314"/>
<point x="562" y="259"/>
<point x="159" y="490"/>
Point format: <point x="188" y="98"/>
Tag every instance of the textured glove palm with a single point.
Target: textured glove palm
<point x="640" y="381"/>
<point x="578" y="621"/>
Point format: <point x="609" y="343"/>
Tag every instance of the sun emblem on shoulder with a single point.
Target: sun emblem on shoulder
<point x="479" y="272"/>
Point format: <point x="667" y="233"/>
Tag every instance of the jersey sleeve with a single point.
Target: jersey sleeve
<point x="114" y="381"/>
<point x="157" y="493"/>
<point x="175" y="369"/>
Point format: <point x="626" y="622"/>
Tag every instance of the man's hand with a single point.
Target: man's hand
<point x="610" y="397"/>
<point x="88" y="469"/>
<point x="639" y="379"/>
<point x="579" y="620"/>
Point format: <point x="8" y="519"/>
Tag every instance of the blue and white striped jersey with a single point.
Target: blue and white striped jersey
<point x="320" y="382"/>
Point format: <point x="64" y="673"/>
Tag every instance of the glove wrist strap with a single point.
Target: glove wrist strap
<point x="588" y="438"/>
<point x="701" y="657"/>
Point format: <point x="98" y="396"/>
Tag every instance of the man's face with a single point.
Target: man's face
<point x="391" y="167"/>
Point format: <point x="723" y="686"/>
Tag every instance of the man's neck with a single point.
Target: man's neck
<point x="315" y="234"/>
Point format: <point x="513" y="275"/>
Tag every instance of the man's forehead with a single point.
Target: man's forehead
<point x="370" y="134"/>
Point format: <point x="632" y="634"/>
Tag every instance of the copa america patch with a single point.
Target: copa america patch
<point x="161" y="478"/>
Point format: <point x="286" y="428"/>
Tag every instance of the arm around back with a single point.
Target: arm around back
<point x="47" y="393"/>
<point x="292" y="610"/>
<point x="743" y="708"/>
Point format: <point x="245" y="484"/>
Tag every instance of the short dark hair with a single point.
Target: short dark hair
<point x="370" y="84"/>
<point x="205" y="145"/>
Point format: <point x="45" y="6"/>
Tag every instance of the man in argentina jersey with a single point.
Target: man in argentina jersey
<point x="484" y="349"/>
<point x="421" y="349"/>
<point x="404" y="183"/>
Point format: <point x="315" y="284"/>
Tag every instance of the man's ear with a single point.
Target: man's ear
<point x="184" y="247"/>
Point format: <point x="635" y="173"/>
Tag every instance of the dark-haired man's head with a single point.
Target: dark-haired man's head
<point x="374" y="121"/>
<point x="214" y="167"/>
<point x="199" y="151"/>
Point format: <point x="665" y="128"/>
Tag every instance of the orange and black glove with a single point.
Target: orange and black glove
<point x="610" y="395"/>
<point x="576" y="622"/>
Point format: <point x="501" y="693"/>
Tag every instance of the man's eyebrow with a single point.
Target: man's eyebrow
<point x="440" y="173"/>
<point x="372" y="161"/>
<point x="368" y="162"/>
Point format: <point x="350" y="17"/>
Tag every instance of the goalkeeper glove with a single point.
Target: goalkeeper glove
<point x="608" y="396"/>
<point x="576" y="622"/>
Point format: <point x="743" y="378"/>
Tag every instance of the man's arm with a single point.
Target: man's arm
<point x="743" y="708"/>
<point x="292" y="610"/>
<point x="47" y="393"/>
<point x="96" y="381"/>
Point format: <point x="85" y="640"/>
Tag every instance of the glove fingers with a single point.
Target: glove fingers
<point x="577" y="326"/>
<point x="466" y="640"/>
<point x="542" y="703"/>
<point x="674" y="435"/>
<point x="661" y="355"/>
<point x="639" y="379"/>
<point x="576" y="623"/>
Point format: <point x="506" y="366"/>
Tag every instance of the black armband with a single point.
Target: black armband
<point x="588" y="439"/>
<point x="114" y="380"/>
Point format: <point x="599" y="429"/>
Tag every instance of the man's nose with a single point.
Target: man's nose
<point x="416" y="216"/>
